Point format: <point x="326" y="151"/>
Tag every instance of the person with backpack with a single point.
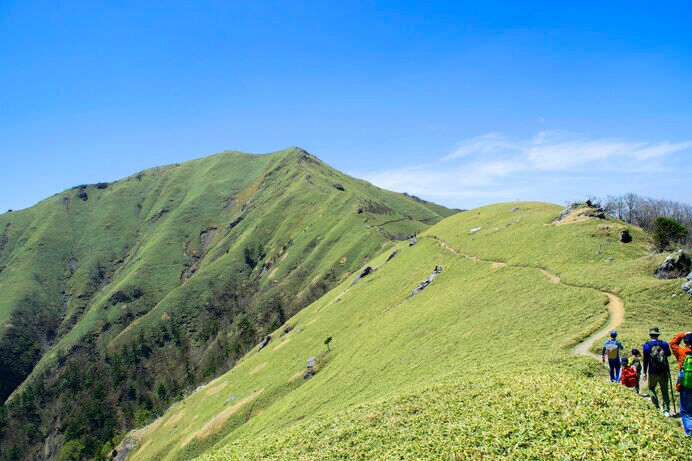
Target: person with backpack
<point x="628" y="375"/>
<point x="656" y="353"/>
<point x="635" y="362"/>
<point x="684" y="384"/>
<point x="612" y="348"/>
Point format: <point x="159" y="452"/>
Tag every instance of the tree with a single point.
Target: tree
<point x="327" y="341"/>
<point x="667" y="230"/>
<point x="72" y="450"/>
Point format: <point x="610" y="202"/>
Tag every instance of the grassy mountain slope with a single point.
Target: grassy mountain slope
<point x="115" y="298"/>
<point x="478" y="364"/>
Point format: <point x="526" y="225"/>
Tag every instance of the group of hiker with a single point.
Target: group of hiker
<point x="652" y="365"/>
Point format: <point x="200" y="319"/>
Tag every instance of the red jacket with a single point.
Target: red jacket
<point x="679" y="351"/>
<point x="628" y="377"/>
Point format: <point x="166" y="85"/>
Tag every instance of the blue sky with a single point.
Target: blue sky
<point x="462" y="104"/>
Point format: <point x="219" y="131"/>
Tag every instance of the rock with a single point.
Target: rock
<point x="516" y="208"/>
<point x="264" y="342"/>
<point x="675" y="266"/>
<point x="310" y="368"/>
<point x="689" y="276"/>
<point x="427" y="281"/>
<point x="413" y="241"/>
<point x="610" y="259"/>
<point x="394" y="253"/>
<point x="625" y="236"/>
<point x="127" y="446"/>
<point x="231" y="398"/>
<point x="364" y="273"/>
<point x="474" y="230"/>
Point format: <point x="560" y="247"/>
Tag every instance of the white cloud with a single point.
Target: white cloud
<point x="494" y="167"/>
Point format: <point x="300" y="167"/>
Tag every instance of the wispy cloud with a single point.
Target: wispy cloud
<point x="494" y="167"/>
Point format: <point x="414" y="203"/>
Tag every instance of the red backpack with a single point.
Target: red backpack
<point x="629" y="376"/>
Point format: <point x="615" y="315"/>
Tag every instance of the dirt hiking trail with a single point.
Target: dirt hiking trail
<point x="616" y="307"/>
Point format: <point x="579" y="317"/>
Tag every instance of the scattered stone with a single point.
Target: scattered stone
<point x="413" y="241"/>
<point x="264" y="342"/>
<point x="235" y="222"/>
<point x="610" y="259"/>
<point x="625" y="236"/>
<point x="674" y="266"/>
<point x="286" y="331"/>
<point x="128" y="445"/>
<point x="364" y="273"/>
<point x="516" y="208"/>
<point x="508" y="224"/>
<point x="339" y="187"/>
<point x="231" y="398"/>
<point x="427" y="281"/>
<point x="474" y="230"/>
<point x="497" y="229"/>
<point x="687" y="286"/>
<point x="394" y="253"/>
<point x="689" y="276"/>
<point x="360" y="211"/>
<point x="310" y="368"/>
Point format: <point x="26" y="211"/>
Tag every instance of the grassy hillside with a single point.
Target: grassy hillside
<point x="117" y="298"/>
<point x="476" y="365"/>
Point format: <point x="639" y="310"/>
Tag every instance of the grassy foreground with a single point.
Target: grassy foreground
<point x="476" y="366"/>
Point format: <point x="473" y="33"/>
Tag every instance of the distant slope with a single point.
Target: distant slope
<point x="115" y="298"/>
<point x="477" y="364"/>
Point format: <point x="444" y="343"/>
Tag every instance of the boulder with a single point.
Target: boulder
<point x="625" y="236"/>
<point x="264" y="342"/>
<point x="364" y="273"/>
<point x="674" y="266"/>
<point x="428" y="281"/>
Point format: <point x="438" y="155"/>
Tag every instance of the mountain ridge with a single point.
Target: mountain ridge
<point x="204" y="255"/>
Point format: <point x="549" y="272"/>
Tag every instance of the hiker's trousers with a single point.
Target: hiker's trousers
<point x="654" y="381"/>
<point x="614" y="365"/>
<point x="686" y="410"/>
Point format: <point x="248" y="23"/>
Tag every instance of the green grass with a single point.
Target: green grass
<point x="476" y="365"/>
<point x="174" y="235"/>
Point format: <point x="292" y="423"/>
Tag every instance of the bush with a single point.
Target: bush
<point x="72" y="450"/>
<point x="667" y="230"/>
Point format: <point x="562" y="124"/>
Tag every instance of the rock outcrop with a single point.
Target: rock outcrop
<point x="675" y="266"/>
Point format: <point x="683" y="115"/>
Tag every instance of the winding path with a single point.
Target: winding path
<point x="616" y="307"/>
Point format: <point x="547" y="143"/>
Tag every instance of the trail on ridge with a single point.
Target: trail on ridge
<point x="616" y="307"/>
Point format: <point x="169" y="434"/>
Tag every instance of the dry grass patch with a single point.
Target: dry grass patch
<point x="175" y="419"/>
<point x="215" y="425"/>
<point x="216" y="389"/>
<point x="258" y="368"/>
<point x="296" y="376"/>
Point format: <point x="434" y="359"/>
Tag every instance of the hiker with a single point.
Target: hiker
<point x="684" y="384"/>
<point x="635" y="362"/>
<point x="628" y="375"/>
<point x="656" y="353"/>
<point x="612" y="348"/>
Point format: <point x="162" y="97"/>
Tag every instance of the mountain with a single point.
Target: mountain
<point x="118" y="298"/>
<point x="485" y="361"/>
